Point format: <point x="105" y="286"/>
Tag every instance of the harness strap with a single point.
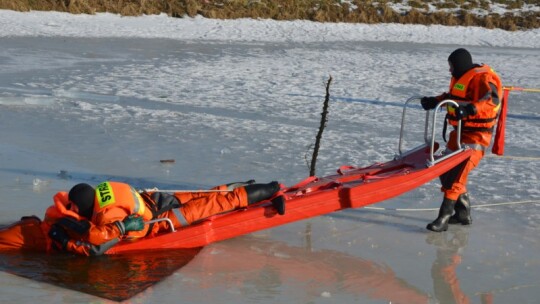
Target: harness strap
<point x="175" y="207"/>
<point x="465" y="129"/>
<point x="149" y="203"/>
<point x="176" y="211"/>
<point x="180" y="217"/>
<point x="476" y="120"/>
<point x="152" y="206"/>
<point x="136" y="200"/>
<point x="476" y="129"/>
<point x="445" y="126"/>
<point x="476" y="147"/>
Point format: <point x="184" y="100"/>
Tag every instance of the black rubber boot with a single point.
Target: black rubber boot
<point x="279" y="204"/>
<point x="463" y="211"/>
<point x="261" y="192"/>
<point x="232" y="186"/>
<point x="441" y="222"/>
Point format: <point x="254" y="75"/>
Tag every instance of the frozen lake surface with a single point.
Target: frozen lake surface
<point x="111" y="105"/>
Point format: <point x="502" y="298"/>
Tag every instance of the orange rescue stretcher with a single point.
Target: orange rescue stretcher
<point x="351" y="187"/>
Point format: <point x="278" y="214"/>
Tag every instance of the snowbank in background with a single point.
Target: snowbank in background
<point x="161" y="26"/>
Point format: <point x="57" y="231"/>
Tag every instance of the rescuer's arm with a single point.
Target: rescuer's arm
<point x="71" y="235"/>
<point x="63" y="242"/>
<point x="430" y="102"/>
<point x="102" y="233"/>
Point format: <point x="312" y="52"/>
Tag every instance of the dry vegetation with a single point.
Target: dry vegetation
<point x="451" y="12"/>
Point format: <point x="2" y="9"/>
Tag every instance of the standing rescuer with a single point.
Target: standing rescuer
<point x="478" y="91"/>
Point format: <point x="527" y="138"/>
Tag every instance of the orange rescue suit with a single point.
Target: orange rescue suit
<point x="482" y="87"/>
<point x="115" y="201"/>
<point x="30" y="233"/>
<point x="476" y="86"/>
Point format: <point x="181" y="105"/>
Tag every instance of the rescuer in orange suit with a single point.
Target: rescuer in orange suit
<point x="89" y="221"/>
<point x="478" y="91"/>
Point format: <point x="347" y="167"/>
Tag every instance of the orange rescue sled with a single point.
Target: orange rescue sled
<point x="351" y="187"/>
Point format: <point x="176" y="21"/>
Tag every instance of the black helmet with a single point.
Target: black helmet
<point x="83" y="196"/>
<point x="461" y="61"/>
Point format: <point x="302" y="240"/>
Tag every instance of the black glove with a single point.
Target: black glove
<point x="73" y="225"/>
<point x="58" y="234"/>
<point x="429" y="103"/>
<point x="465" y="110"/>
<point x="133" y="223"/>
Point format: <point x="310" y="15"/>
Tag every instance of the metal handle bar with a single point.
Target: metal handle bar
<point x="427" y="140"/>
<point x="403" y="123"/>
<point x="458" y="138"/>
<point x="168" y="220"/>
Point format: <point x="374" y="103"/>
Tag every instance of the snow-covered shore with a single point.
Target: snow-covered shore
<point x="39" y="24"/>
